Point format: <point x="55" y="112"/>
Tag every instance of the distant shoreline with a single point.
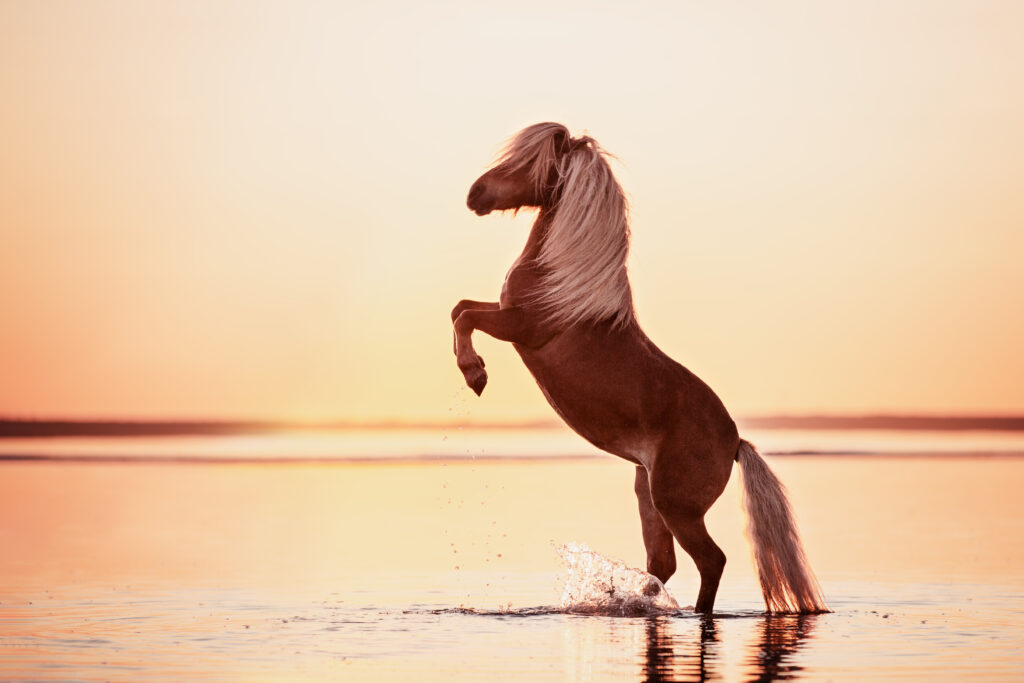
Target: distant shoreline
<point x="11" y="428"/>
<point x="94" y="459"/>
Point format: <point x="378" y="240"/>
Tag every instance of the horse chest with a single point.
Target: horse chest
<point x="505" y="300"/>
<point x="518" y="281"/>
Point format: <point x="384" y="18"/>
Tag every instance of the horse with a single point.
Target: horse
<point x="567" y="308"/>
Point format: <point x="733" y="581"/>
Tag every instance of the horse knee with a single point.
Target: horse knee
<point x="706" y="554"/>
<point x="459" y="308"/>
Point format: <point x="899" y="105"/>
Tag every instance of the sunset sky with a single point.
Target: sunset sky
<point x="257" y="209"/>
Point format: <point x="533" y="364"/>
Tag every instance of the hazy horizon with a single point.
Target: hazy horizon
<point x="29" y="427"/>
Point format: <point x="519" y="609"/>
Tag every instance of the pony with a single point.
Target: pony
<point x="567" y="308"/>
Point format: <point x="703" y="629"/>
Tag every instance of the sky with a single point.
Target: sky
<point x="257" y="209"/>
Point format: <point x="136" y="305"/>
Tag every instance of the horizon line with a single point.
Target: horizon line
<point x="88" y="459"/>
<point x="32" y="427"/>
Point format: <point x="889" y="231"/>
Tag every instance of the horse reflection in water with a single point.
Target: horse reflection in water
<point x="672" y="656"/>
<point x="567" y="307"/>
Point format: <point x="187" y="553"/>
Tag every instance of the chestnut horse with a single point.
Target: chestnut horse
<point x="567" y="307"/>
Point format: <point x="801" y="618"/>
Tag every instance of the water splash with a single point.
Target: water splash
<point x="599" y="585"/>
<point x="594" y="585"/>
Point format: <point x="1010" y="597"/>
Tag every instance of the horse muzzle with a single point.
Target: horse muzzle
<point x="476" y="200"/>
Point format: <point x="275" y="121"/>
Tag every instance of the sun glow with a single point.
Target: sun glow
<point x="258" y="210"/>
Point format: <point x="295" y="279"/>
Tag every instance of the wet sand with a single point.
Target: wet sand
<point x="301" y="571"/>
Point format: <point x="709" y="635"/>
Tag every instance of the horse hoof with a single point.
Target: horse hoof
<point x="477" y="379"/>
<point x="473" y="370"/>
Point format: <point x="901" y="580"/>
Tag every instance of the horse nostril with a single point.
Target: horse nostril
<point x="474" y="193"/>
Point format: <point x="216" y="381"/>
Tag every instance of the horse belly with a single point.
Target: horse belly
<point x="617" y="412"/>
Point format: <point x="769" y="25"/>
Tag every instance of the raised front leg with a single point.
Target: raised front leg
<point x="470" y="305"/>
<point x="506" y="324"/>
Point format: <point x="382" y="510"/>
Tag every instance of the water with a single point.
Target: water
<point x="450" y="569"/>
<point x="457" y="443"/>
<point x="601" y="586"/>
<point x="936" y="632"/>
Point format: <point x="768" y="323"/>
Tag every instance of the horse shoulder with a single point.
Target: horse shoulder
<point x="519" y="282"/>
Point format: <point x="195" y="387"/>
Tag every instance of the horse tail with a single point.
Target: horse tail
<point x="787" y="582"/>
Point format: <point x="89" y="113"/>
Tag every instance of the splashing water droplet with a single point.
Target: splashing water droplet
<point x="600" y="585"/>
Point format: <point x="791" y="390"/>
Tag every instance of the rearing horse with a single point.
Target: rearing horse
<point x="567" y="307"/>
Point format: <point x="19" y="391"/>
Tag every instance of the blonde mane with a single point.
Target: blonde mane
<point x="583" y="253"/>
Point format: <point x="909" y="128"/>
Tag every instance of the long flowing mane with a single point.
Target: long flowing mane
<point x="583" y="254"/>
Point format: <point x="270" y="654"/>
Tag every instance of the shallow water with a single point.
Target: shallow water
<point x="442" y="571"/>
<point x="938" y="632"/>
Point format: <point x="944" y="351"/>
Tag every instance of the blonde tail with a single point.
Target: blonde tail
<point x="787" y="582"/>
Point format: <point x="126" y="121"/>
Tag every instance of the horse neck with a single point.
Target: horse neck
<point x="536" y="239"/>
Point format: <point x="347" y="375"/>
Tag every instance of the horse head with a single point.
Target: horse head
<point x="529" y="172"/>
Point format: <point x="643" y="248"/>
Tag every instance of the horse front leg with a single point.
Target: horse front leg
<point x="470" y="305"/>
<point x="506" y="324"/>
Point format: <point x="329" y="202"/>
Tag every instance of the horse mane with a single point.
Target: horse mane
<point x="583" y="254"/>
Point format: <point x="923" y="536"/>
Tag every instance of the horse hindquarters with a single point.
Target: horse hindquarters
<point x="787" y="582"/>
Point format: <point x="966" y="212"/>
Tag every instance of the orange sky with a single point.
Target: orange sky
<point x="258" y="209"/>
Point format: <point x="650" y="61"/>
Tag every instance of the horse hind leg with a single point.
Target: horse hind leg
<point x="682" y="495"/>
<point x="661" y="555"/>
<point x="710" y="560"/>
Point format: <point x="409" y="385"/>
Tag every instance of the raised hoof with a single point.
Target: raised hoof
<point x="476" y="378"/>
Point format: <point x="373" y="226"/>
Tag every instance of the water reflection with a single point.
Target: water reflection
<point x="671" y="658"/>
<point x="695" y="655"/>
<point x="780" y="637"/>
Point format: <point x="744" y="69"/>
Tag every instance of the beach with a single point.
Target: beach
<point x="440" y="569"/>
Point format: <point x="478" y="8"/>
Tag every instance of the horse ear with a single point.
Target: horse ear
<point x="560" y="141"/>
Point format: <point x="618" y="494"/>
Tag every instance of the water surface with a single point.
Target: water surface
<point x="448" y="570"/>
